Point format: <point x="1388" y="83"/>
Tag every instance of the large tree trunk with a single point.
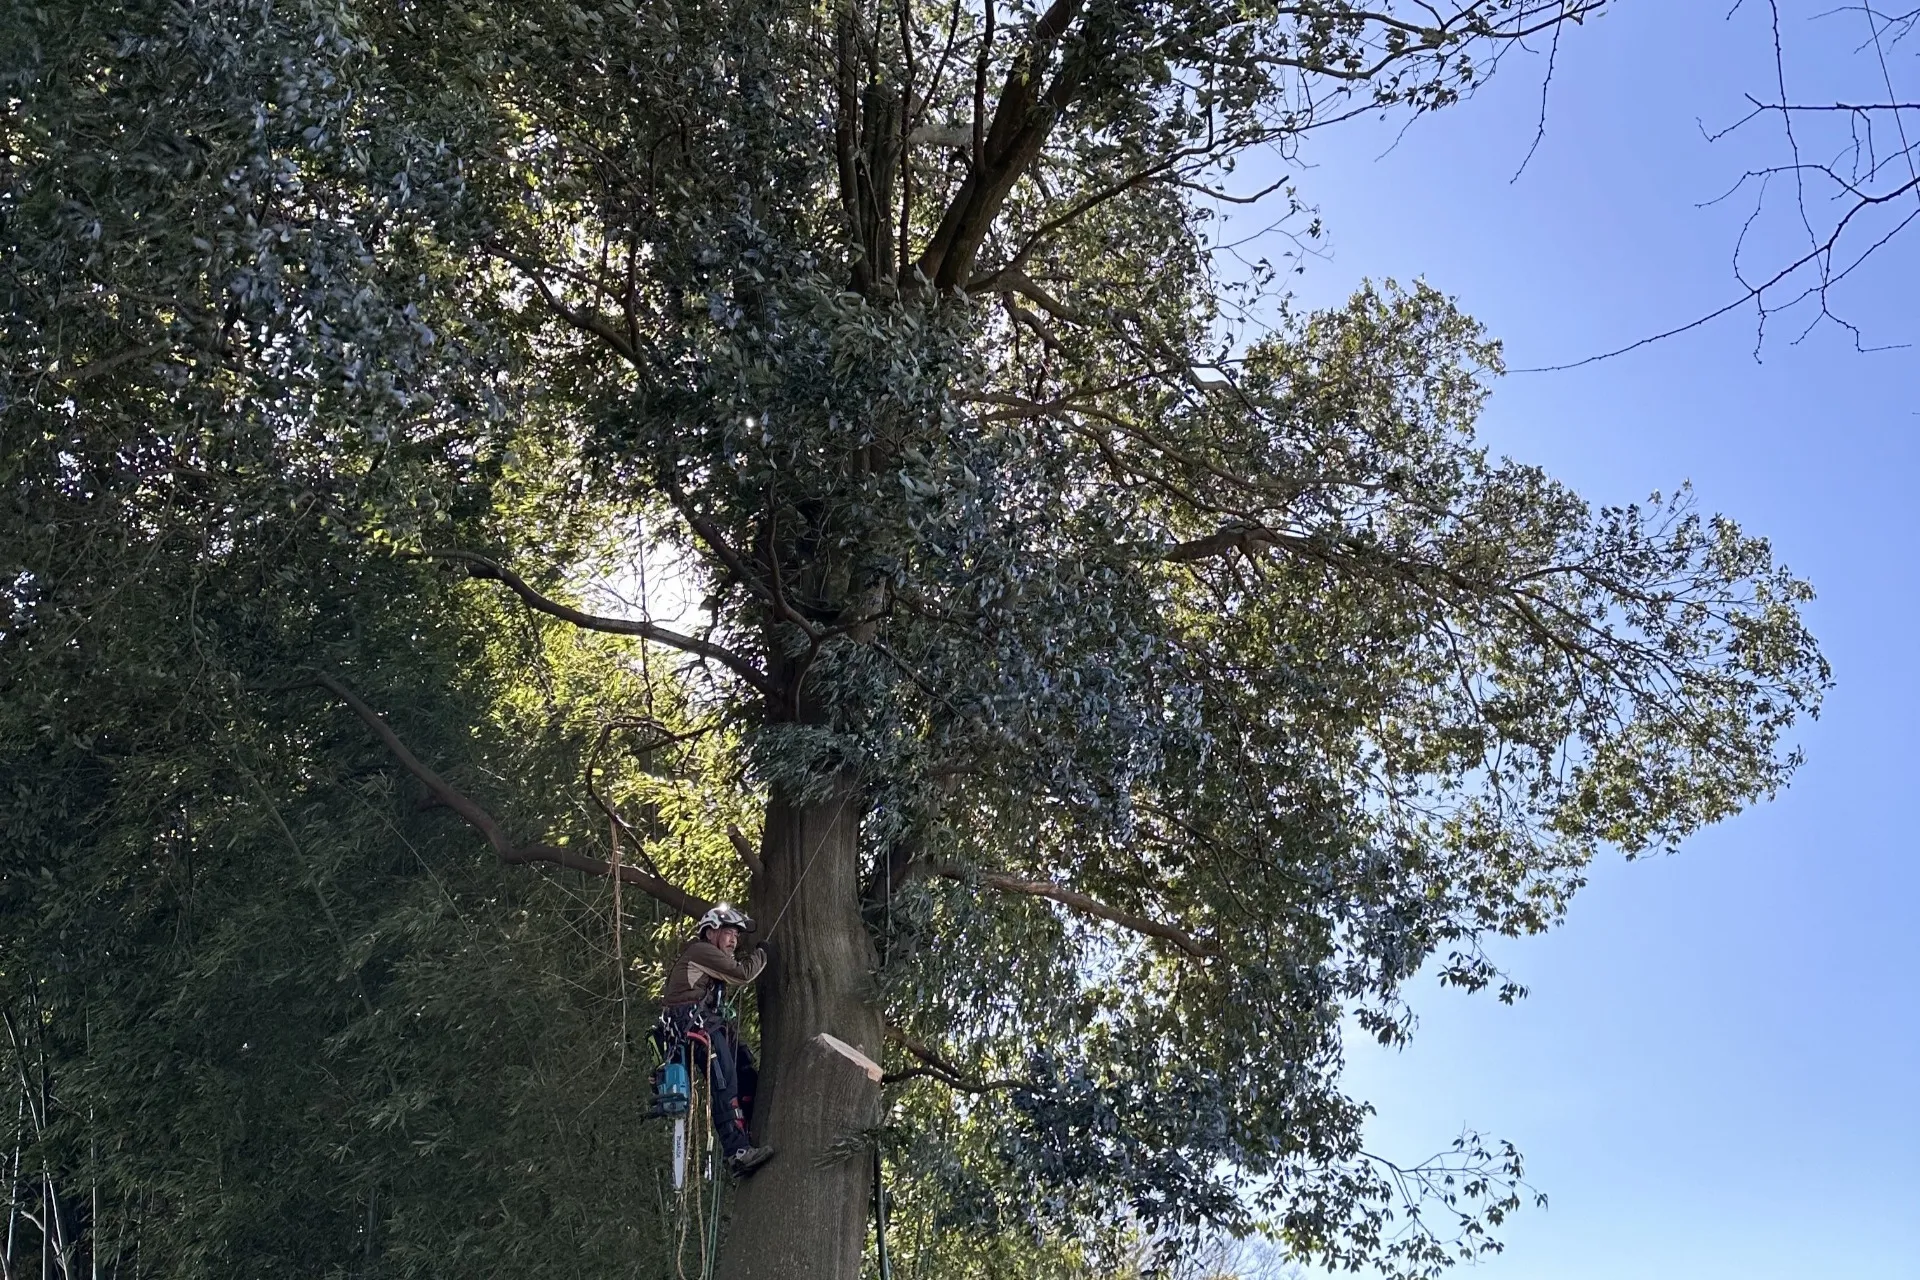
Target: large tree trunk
<point x="803" y="1216"/>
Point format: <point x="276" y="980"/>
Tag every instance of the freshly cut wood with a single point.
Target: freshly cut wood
<point x="852" y="1055"/>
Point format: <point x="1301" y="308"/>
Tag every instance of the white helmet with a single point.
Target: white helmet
<point x="724" y="916"/>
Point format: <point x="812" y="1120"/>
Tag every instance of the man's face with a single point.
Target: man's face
<point x="725" y="938"/>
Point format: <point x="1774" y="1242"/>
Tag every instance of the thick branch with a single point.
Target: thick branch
<point x="1022" y="120"/>
<point x="106" y="364"/>
<point x="749" y="856"/>
<point x="1234" y="537"/>
<point x="585" y="321"/>
<point x="483" y="822"/>
<point x="672" y="895"/>
<point x="1048" y="338"/>
<point x="1080" y="902"/>
<point x="1020" y="282"/>
<point x="480" y="566"/>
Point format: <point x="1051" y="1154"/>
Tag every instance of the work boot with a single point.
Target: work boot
<point x="743" y="1162"/>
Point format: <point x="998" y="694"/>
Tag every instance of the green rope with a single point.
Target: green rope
<point x="713" y="1224"/>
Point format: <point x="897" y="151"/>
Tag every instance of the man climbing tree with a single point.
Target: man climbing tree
<point x="1076" y="609"/>
<point x="696" y="1013"/>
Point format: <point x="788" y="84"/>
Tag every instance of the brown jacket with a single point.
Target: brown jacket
<point x="692" y="974"/>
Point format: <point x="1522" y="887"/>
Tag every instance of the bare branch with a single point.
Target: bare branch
<point x="480" y="566"/>
<point x="749" y="855"/>
<point x="483" y="822"/>
<point x="1840" y="228"/>
<point x="1073" y="898"/>
<point x="939" y="1068"/>
<point x="1819" y="256"/>
<point x="585" y="321"/>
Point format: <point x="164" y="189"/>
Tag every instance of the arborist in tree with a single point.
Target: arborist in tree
<point x="696" y="1008"/>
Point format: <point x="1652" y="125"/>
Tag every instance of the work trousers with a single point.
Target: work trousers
<point x="729" y="1070"/>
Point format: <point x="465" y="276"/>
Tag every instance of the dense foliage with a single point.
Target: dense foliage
<point x="1195" y="686"/>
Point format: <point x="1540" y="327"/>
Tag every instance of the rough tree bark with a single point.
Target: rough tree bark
<point x="803" y="1216"/>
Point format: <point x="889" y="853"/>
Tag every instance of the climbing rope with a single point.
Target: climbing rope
<point x="880" y="1214"/>
<point x="698" y="1215"/>
<point x="818" y="845"/>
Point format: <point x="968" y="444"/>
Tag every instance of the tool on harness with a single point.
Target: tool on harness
<point x="673" y="1085"/>
<point x="688" y="1038"/>
<point x="672" y="1079"/>
<point x="671" y="1090"/>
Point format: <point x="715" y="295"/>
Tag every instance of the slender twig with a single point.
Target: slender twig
<point x="618" y="825"/>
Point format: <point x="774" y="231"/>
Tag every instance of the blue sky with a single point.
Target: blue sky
<point x="1715" y="1076"/>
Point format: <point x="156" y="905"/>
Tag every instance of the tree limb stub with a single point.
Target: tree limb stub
<point x="483" y="822"/>
<point x="1077" y="901"/>
<point x="480" y="566"/>
<point x="852" y="1055"/>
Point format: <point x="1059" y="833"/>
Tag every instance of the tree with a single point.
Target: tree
<point x="1131" y="698"/>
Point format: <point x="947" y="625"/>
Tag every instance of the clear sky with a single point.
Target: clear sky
<point x="1715" y="1076"/>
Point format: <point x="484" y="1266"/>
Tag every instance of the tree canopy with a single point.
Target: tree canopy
<point x="1129" y="678"/>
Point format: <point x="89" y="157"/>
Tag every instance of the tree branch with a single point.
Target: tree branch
<point x="939" y="1068"/>
<point x="1013" y="278"/>
<point x="744" y="847"/>
<point x="1233" y="537"/>
<point x="1022" y="120"/>
<point x="483" y="822"/>
<point x="585" y="321"/>
<point x="617" y="825"/>
<point x="717" y="543"/>
<point x="480" y="566"/>
<point x="1048" y="338"/>
<point x="1073" y="898"/>
<point x="106" y="364"/>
